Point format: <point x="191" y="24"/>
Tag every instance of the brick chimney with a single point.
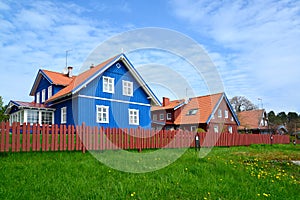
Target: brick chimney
<point x="70" y="74"/>
<point x="166" y="101"/>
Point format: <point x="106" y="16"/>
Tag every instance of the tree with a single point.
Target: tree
<point x="3" y="117"/>
<point x="241" y="103"/>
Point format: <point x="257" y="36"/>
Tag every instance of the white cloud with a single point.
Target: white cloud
<point x="263" y="36"/>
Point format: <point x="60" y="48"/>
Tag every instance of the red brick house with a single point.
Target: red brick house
<point x="210" y="113"/>
<point x="253" y="121"/>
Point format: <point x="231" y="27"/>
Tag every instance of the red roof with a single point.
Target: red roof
<point x="79" y="80"/>
<point x="29" y="104"/>
<point x="205" y="106"/>
<point x="171" y="105"/>
<point x="251" y="119"/>
<point x="58" y="78"/>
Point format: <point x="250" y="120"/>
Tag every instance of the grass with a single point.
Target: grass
<point x="255" y="172"/>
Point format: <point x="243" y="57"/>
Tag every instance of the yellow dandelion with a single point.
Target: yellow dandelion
<point x="208" y="193"/>
<point x="204" y="198"/>
<point x="258" y="176"/>
<point x="258" y="194"/>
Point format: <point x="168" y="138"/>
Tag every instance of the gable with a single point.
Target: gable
<point x="110" y="66"/>
<point x="45" y="78"/>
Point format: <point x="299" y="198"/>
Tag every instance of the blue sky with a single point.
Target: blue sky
<point x="254" y="45"/>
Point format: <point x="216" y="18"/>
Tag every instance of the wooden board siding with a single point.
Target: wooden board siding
<point x="118" y="113"/>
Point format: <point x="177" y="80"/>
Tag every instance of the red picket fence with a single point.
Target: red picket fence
<point x="26" y="137"/>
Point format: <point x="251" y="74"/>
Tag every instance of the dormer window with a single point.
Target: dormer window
<point x="192" y="111"/>
<point x="37" y="98"/>
<point x="43" y="95"/>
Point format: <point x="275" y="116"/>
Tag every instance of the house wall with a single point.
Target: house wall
<point x="43" y="84"/>
<point x="93" y="95"/>
<point x="223" y="122"/>
<point x="71" y="111"/>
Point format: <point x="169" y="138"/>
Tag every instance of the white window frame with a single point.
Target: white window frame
<point x="169" y="116"/>
<point x="161" y="116"/>
<point x="232" y="119"/>
<point x="100" y="111"/>
<point x="193" y="128"/>
<point x="63" y="115"/>
<point x="127" y="88"/>
<point x="132" y="113"/>
<point x="230" y="130"/>
<point x="37" y="98"/>
<point x="216" y="128"/>
<point x="106" y="80"/>
<point x="219" y="113"/>
<point x="43" y="95"/>
<point x="155" y="117"/>
<point x="226" y="114"/>
<point x="49" y="91"/>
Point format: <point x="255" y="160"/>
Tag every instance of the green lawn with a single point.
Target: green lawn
<point x="255" y="172"/>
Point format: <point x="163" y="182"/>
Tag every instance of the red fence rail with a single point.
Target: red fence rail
<point x="26" y="137"/>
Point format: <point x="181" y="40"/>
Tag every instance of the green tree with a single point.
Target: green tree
<point x="3" y="117"/>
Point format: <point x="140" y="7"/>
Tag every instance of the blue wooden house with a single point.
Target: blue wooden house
<point x="111" y="94"/>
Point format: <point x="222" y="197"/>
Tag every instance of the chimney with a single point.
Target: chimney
<point x="166" y="101"/>
<point x="69" y="74"/>
<point x="92" y="66"/>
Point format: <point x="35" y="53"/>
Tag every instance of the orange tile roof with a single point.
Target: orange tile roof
<point x="171" y="105"/>
<point x="58" y="78"/>
<point x="205" y="106"/>
<point x="250" y="119"/>
<point x="79" y="80"/>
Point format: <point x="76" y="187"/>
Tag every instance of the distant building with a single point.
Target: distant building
<point x="253" y="121"/>
<point x="209" y="113"/>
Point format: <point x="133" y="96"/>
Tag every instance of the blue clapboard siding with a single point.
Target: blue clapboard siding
<point x="95" y="88"/>
<point x="43" y="84"/>
<point x="71" y="110"/>
<point x="118" y="113"/>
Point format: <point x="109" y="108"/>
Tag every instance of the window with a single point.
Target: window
<point x="219" y="113"/>
<point x="169" y="116"/>
<point x="37" y="99"/>
<point x="102" y="114"/>
<point x="192" y="112"/>
<point x="155" y="117"/>
<point x="47" y="117"/>
<point x="216" y="129"/>
<point x="43" y="95"/>
<point x="63" y="115"/>
<point x="193" y="128"/>
<point x="49" y="91"/>
<point x="230" y="129"/>
<point x="127" y="88"/>
<point x="32" y="116"/>
<point x="133" y="116"/>
<point x="232" y="119"/>
<point x="161" y="116"/>
<point x="108" y="84"/>
<point x="226" y="114"/>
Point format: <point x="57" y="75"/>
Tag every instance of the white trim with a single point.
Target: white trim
<point x="113" y="100"/>
<point x="135" y="113"/>
<point x="226" y="114"/>
<point x="37" y="97"/>
<point x="126" y="86"/>
<point x="43" y="95"/>
<point x="63" y="111"/>
<point x="101" y="113"/>
<point x="112" y="84"/>
<point x="169" y="118"/>
<point x="131" y="69"/>
<point x="50" y="92"/>
<point x="193" y="127"/>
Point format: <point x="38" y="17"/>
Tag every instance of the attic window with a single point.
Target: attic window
<point x="192" y="112"/>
